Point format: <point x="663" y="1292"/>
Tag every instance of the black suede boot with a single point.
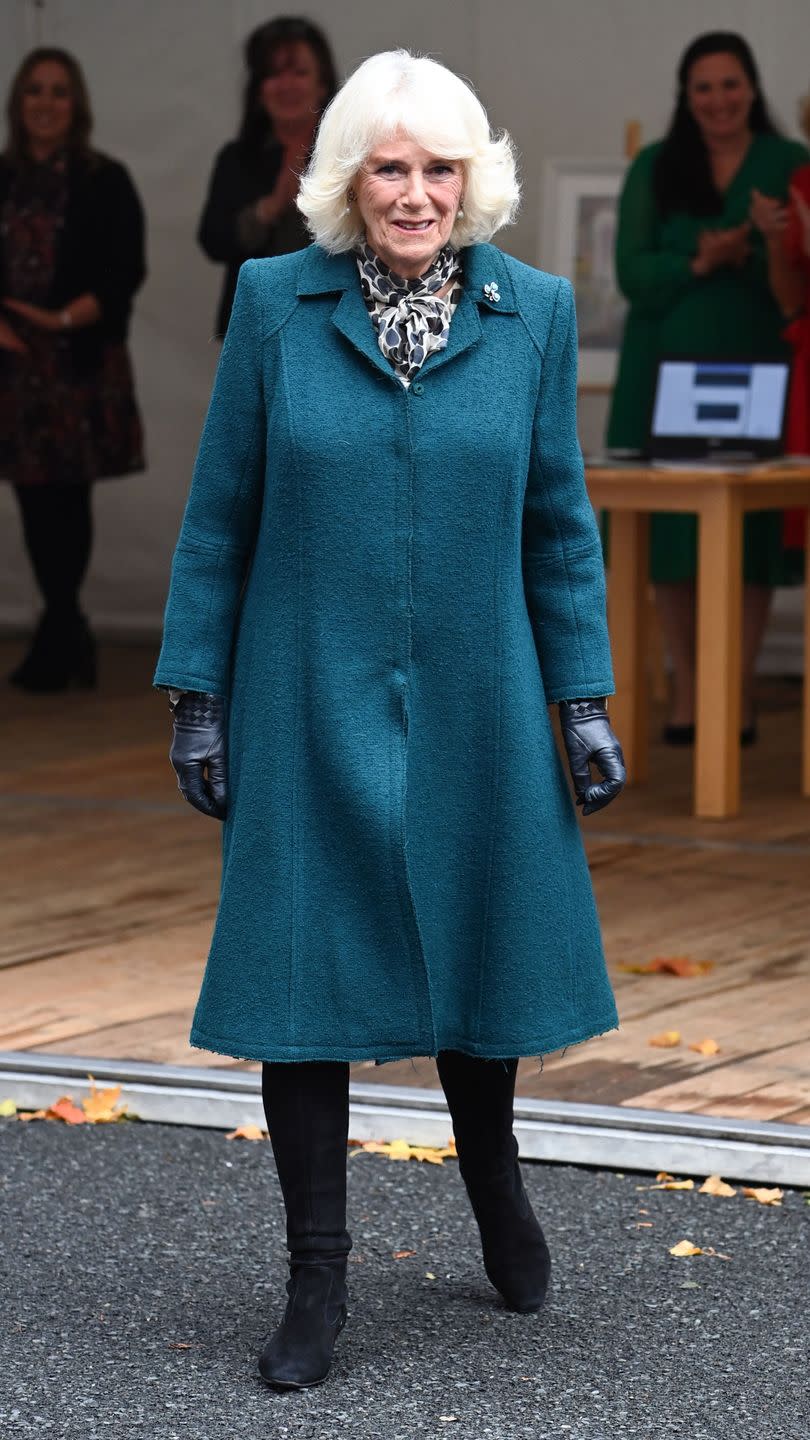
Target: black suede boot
<point x="480" y="1095"/>
<point x="307" y="1109"/>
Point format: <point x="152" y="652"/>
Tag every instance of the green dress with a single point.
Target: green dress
<point x="730" y="313"/>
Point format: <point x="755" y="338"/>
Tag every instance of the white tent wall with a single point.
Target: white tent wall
<point x="563" y="76"/>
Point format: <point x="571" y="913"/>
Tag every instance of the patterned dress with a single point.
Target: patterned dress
<point x="59" y="424"/>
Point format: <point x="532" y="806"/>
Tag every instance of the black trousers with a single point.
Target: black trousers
<point x="58" y="529"/>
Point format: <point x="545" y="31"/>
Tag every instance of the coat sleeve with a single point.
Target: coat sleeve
<point x="222" y="514"/>
<point x="121" y="265"/>
<point x="648" y="276"/>
<point x="563" y="570"/>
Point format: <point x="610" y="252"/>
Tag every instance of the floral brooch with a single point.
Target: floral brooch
<point x="491" y="292"/>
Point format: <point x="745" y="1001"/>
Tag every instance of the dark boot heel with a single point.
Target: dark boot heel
<point x="516" y="1256"/>
<point x="299" y="1354"/>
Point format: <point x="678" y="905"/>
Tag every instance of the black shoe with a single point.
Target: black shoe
<point x="62" y="653"/>
<point x="678" y="734"/>
<point x="516" y="1256"/>
<point x="299" y="1354"/>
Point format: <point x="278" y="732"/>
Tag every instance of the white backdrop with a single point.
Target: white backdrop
<point x="563" y="76"/>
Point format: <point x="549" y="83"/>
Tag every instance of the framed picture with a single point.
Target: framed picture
<point x="578" y="234"/>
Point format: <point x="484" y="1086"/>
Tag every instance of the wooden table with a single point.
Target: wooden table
<point x="720" y="499"/>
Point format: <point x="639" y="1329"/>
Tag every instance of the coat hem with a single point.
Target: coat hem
<point x="408" y="1050"/>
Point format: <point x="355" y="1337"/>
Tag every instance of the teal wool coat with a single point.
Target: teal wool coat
<point x="391" y="586"/>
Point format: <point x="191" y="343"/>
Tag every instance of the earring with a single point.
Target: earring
<point x="460" y="211"/>
<point x="351" y="194"/>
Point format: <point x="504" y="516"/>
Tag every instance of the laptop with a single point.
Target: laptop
<point x="723" y="410"/>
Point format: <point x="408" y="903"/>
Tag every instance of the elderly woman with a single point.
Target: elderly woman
<point x="388" y="569"/>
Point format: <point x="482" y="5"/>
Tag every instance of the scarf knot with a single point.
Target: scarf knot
<point x="410" y="316"/>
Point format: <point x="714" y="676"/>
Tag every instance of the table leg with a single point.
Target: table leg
<point x="627" y="613"/>
<point x="806" y="682"/>
<point x="719" y="656"/>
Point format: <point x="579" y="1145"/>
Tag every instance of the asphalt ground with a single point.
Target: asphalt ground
<point x="143" y="1266"/>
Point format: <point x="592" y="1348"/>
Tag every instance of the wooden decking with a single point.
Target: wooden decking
<point x="109" y="884"/>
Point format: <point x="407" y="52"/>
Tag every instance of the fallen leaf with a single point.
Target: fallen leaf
<point x="246" y="1132"/>
<point x="180" y="1345"/>
<point x="710" y="1250"/>
<point x="764" y="1196"/>
<point x="8" y="1107"/>
<point x="685" y="1247"/>
<point x="32" y="1115"/>
<point x="403" y="1254"/>
<point x="715" y="1186"/>
<point x="679" y="965"/>
<point x="705" y="1047"/>
<point x="429" y="1275"/>
<point x="401" y="1150"/>
<point x="644" y="1224"/>
<point x="664" y="1175"/>
<point x="101" y="1106"/>
<point x="666" y="1040"/>
<point x="674" y="1185"/>
<point x="64" y="1109"/>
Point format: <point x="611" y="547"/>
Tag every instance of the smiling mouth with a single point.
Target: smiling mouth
<point x="413" y="226"/>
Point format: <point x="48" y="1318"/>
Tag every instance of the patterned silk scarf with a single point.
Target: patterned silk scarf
<point x="411" y="319"/>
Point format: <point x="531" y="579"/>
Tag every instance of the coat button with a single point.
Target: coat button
<point x="417" y="388"/>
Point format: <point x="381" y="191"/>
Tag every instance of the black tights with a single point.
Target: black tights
<point x="58" y="529"/>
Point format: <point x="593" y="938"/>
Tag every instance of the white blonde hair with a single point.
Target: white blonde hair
<point x="399" y="92"/>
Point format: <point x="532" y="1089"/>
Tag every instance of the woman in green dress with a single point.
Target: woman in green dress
<point x="694" y="261"/>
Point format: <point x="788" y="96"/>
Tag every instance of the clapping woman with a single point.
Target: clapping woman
<point x="71" y="260"/>
<point x="250" y="209"/>
<point x="695" y="262"/>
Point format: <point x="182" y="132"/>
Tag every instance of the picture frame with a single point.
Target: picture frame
<point x="578" y="222"/>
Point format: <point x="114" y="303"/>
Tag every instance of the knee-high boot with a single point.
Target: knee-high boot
<point x="307" y="1108"/>
<point x="480" y="1095"/>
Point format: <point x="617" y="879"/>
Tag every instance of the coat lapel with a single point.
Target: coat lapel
<point x="324" y="274"/>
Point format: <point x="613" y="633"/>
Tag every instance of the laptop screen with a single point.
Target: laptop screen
<point x="719" y="405"/>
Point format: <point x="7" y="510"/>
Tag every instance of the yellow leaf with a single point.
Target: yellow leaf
<point x="8" y="1107"/>
<point x="401" y="1150"/>
<point x="764" y="1196"/>
<point x="679" y="965"/>
<point x="685" y="1247"/>
<point x="715" y="1186"/>
<point x="101" y="1106"/>
<point x="675" y="1185"/>
<point x="33" y="1115"/>
<point x="429" y="1275"/>
<point x="666" y="1040"/>
<point x="246" y="1132"/>
<point x="706" y="1047"/>
<point x="664" y="1175"/>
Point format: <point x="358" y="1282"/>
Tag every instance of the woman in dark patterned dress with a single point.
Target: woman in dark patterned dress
<point x="71" y="259"/>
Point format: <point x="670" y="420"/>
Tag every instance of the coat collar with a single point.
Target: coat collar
<point x="324" y="274"/>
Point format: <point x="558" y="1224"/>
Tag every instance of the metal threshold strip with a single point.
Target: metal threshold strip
<point x="615" y="1137"/>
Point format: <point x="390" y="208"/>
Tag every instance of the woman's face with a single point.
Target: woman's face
<point x="408" y="200"/>
<point x="47" y="106"/>
<point x="719" y="95"/>
<point x="294" y="90"/>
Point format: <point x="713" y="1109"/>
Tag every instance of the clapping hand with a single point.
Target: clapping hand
<point x="803" y="213"/>
<point x="770" y="216"/>
<point x="722" y="247"/>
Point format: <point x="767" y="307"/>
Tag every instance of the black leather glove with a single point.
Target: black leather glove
<point x="589" y="740"/>
<point x="198" y="752"/>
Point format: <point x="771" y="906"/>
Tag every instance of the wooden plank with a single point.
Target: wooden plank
<point x="718" y="656"/>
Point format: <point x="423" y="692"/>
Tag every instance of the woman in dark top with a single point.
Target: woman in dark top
<point x="250" y="210"/>
<point x="71" y="259"/>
